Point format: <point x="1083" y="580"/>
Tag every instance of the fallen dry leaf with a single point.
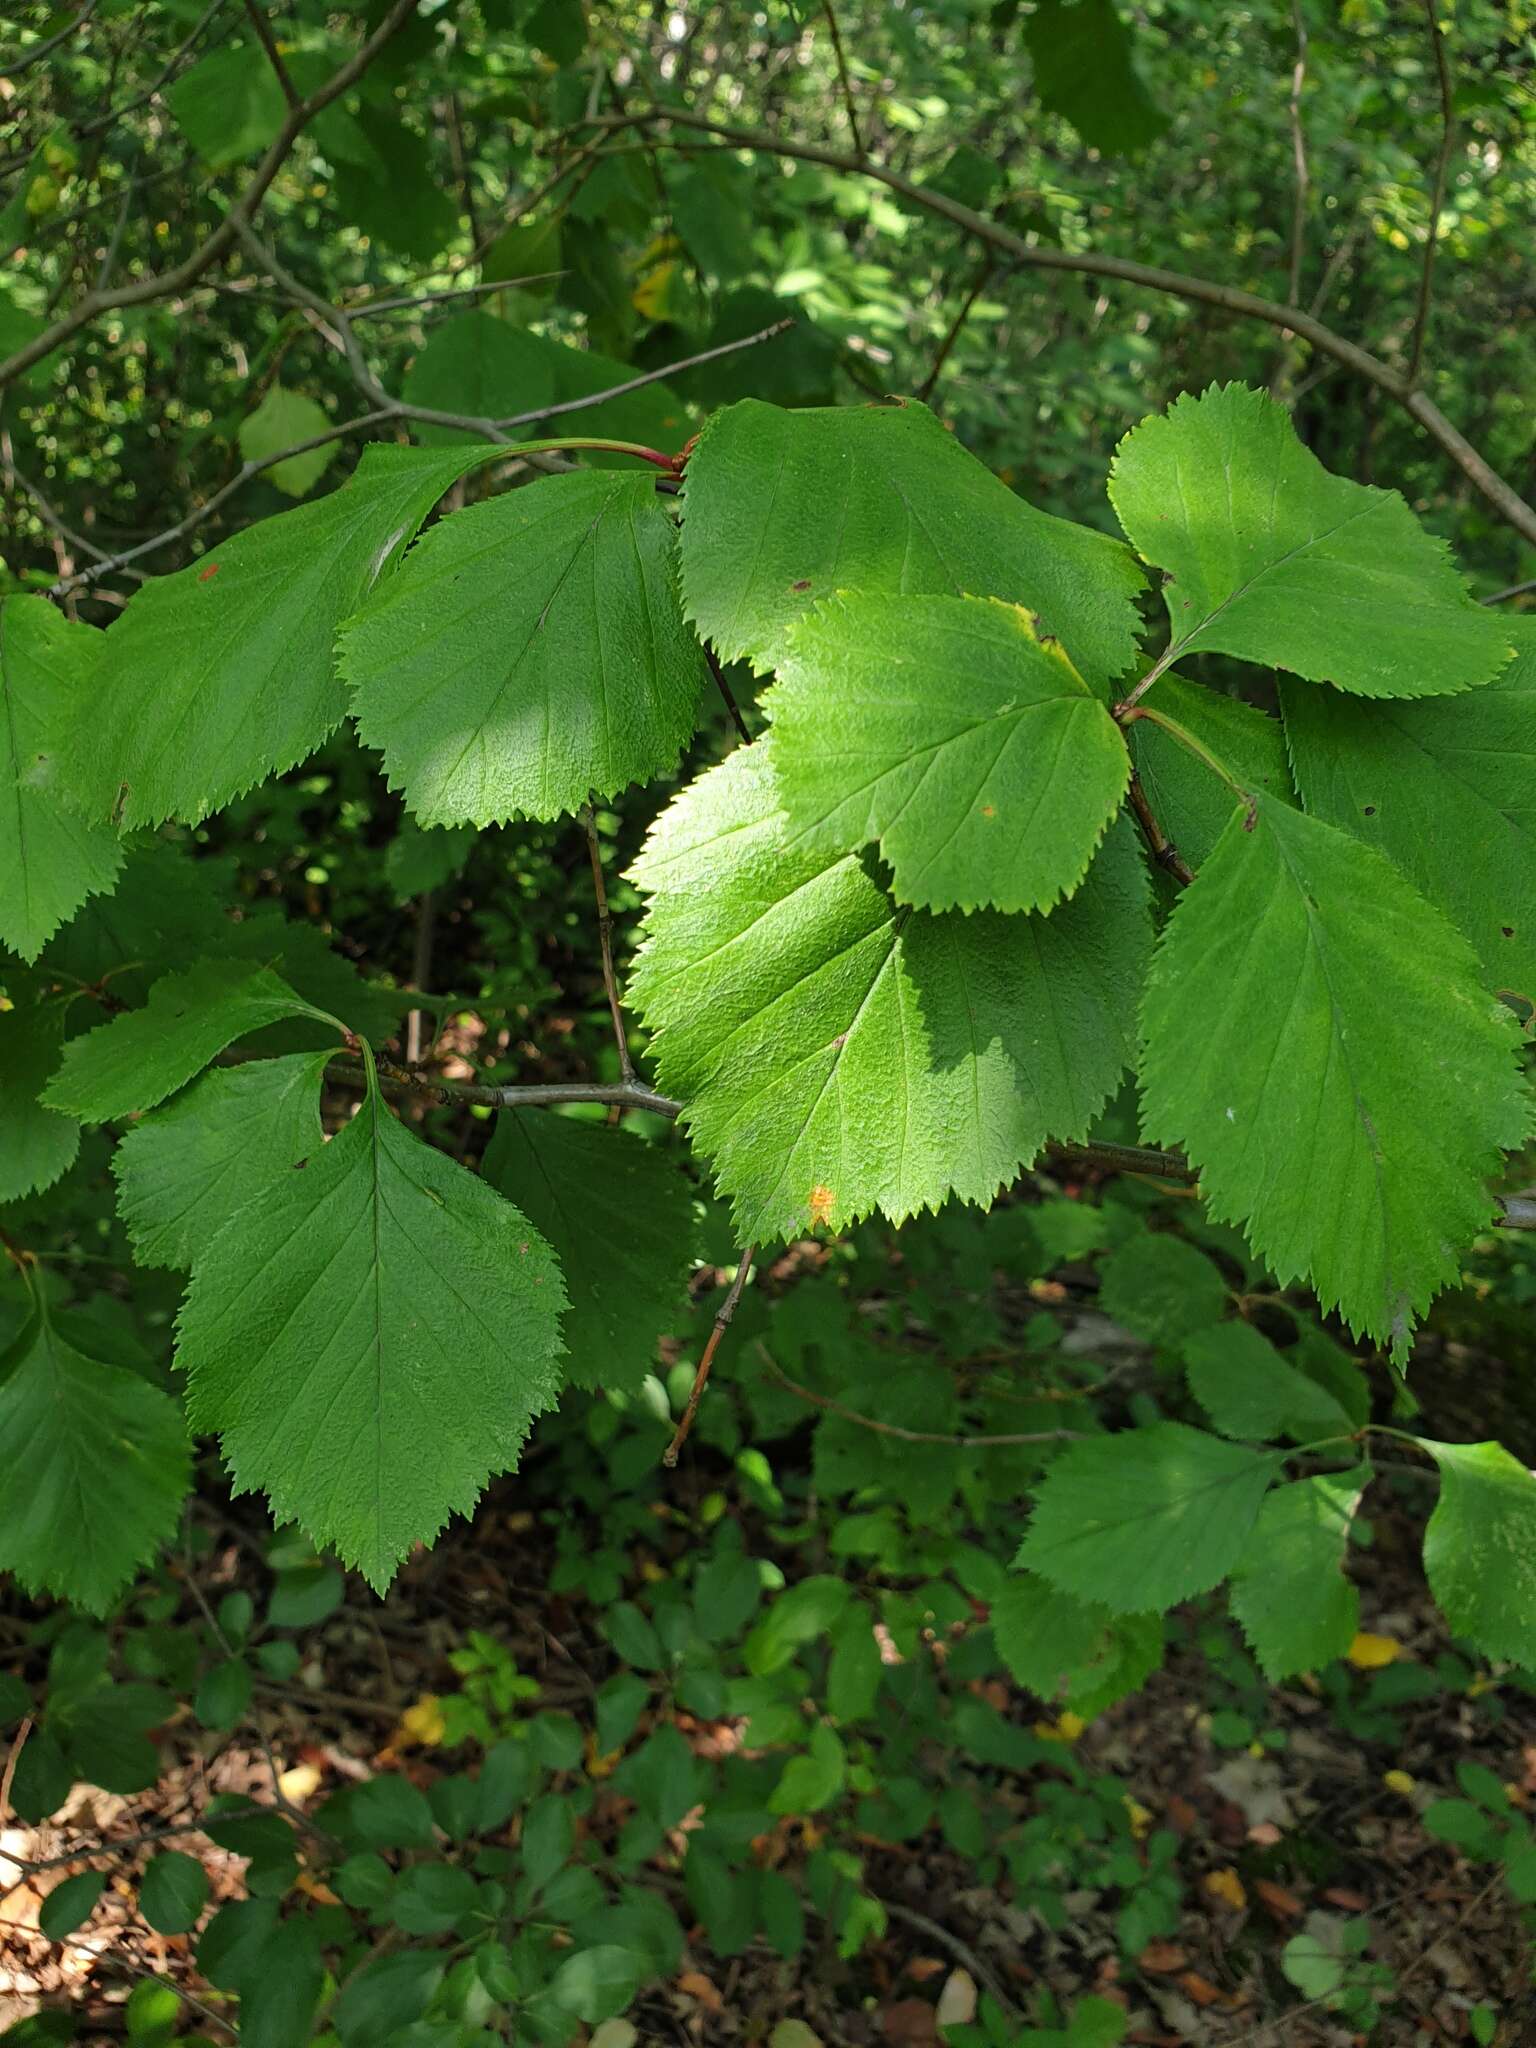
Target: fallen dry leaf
<point x="1227" y="1886"/>
<point x="910" y="2023"/>
<point x="957" y="2001"/>
<point x="1162" y="1958"/>
<point x="1283" y="1904"/>
<point x="697" y="1985"/>
<point x="1199" y="1988"/>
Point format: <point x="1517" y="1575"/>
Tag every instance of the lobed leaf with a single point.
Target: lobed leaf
<point x="948" y="731"/>
<point x="837" y="1053"/>
<point x="183" y="1171"/>
<point x="1316" y="1039"/>
<point x="1140" y="1521"/>
<point x="782" y="509"/>
<point x="37" y="1144"/>
<point x="1289" y="1592"/>
<point x="97" y="1464"/>
<point x="51" y="855"/>
<point x="1271" y="558"/>
<point x="371" y="1338"/>
<point x="1480" y="1548"/>
<point x="1447" y="790"/>
<point x="224" y="672"/>
<point x="530" y="652"/>
<point x="144" y="1055"/>
<point x="619" y="1217"/>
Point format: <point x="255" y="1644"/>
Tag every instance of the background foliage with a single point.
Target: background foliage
<point x="785" y="1717"/>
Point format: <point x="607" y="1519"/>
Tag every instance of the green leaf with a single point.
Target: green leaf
<point x="1248" y="1388"/>
<point x="1187" y="800"/>
<point x="945" y="729"/>
<point x="1447" y="790"/>
<point x="1082" y="56"/>
<point x="597" y="1983"/>
<point x="97" y="1467"/>
<point x="373" y="1341"/>
<point x="37" y="1144"/>
<point x="416" y="861"/>
<point x="225" y="673"/>
<point x="184" y="1170"/>
<point x="173" y="1892"/>
<point x="144" y="1055"/>
<point x="388" y="1993"/>
<point x="836" y="1054"/>
<point x="1161" y="1288"/>
<point x="70" y="1904"/>
<point x="1140" y="1521"/>
<point x="619" y="1217"/>
<point x="51" y="856"/>
<point x="1480" y="1548"/>
<point x="654" y="415"/>
<point x="479" y="366"/>
<point x="1271" y="558"/>
<point x="282" y="420"/>
<point x="810" y="1782"/>
<point x="1289" y="1592"/>
<point x="782" y="509"/>
<point x="1044" y="1635"/>
<point x="229" y="105"/>
<point x="530" y="652"/>
<point x="1317" y="1040"/>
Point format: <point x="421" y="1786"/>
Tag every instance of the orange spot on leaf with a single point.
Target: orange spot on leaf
<point x="211" y="570"/>
<point x="821" y="1204"/>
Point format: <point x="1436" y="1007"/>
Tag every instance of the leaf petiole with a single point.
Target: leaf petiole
<point x="1126" y="715"/>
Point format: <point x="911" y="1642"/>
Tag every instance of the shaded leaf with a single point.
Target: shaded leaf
<point x="619" y="1217"/>
<point x="1480" y="1548"/>
<point x="183" y="1171"/>
<point x="1289" y="1592"/>
<point x="1317" y="1041"/>
<point x="144" y="1055"/>
<point x="91" y="1449"/>
<point x="1141" y="1521"/>
<point x="51" y="856"/>
<point x="373" y="1342"/>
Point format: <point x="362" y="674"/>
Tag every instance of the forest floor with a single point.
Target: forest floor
<point x="1310" y="1832"/>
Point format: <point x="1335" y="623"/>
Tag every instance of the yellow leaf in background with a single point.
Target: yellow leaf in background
<point x="299" y="1784"/>
<point x="652" y="296"/>
<point x="1140" y="1817"/>
<point x="1227" y="1886"/>
<point x="1373" y="1653"/>
<point x="1066" y="1729"/>
<point x="600" y="1765"/>
<point x="1398" y="1781"/>
<point x="313" y="1888"/>
<point x="421" y="1723"/>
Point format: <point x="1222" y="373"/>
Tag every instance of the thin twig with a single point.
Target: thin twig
<point x="1298" y="154"/>
<point x="1437" y="194"/>
<point x="1514" y="590"/>
<point x="914" y="1436"/>
<point x="10" y="1769"/>
<point x="957" y="1948"/>
<point x="952" y="335"/>
<point x="605" y="940"/>
<point x="849" y="108"/>
<point x="728" y="695"/>
<point x="20" y="60"/>
<point x="1518" y="1212"/>
<point x="701" y="1378"/>
<point x="113" y="115"/>
<point x="1159" y="845"/>
<point x="268" y="42"/>
<point x="166" y="283"/>
<point x="421" y="967"/>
